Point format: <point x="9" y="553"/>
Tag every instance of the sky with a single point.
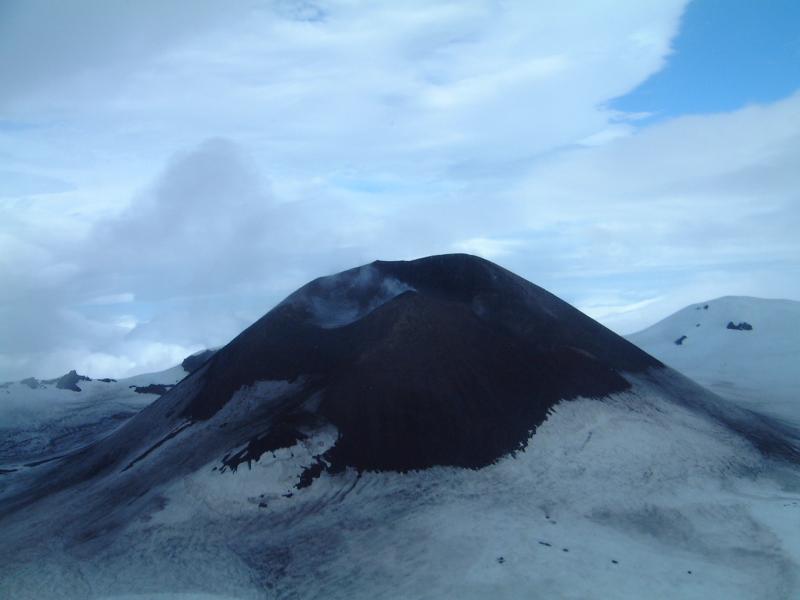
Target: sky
<point x="170" y="171"/>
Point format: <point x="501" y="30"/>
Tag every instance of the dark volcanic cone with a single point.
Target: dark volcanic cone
<point x="448" y="360"/>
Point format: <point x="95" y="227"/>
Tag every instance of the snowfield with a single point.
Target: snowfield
<point x="626" y="497"/>
<point x="45" y="421"/>
<point x="758" y="368"/>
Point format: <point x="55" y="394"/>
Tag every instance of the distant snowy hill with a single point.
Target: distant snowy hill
<point x="746" y="349"/>
<point x="41" y="419"/>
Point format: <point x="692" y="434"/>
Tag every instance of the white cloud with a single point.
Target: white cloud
<point x="46" y="42"/>
<point x="674" y="188"/>
<point x="214" y="158"/>
<point x="492" y="249"/>
<point x="122" y="298"/>
<point x="691" y="209"/>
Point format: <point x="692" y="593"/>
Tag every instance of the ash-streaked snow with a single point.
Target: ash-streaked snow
<point x="627" y="497"/>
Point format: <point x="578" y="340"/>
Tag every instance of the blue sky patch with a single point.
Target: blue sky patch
<point x="728" y="54"/>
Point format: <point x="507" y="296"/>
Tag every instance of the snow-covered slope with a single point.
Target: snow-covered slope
<point x="758" y="367"/>
<point x="39" y="420"/>
<point x="630" y="496"/>
<point x="437" y="428"/>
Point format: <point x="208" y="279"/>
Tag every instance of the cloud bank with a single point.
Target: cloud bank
<point x="181" y="179"/>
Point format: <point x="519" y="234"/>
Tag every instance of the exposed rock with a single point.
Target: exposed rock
<point x="153" y="388"/>
<point x="70" y="381"/>
<point x="191" y="363"/>
<point x="310" y="473"/>
<point x="31" y="382"/>
<point x="679" y="341"/>
<point x="743" y="326"/>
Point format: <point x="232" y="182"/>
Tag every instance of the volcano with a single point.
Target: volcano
<point x="414" y="373"/>
<point x="449" y="360"/>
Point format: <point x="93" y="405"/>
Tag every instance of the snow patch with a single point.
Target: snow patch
<point x="268" y="482"/>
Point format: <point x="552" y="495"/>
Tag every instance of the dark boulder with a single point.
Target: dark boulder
<point x="70" y="381"/>
<point x="191" y="363"/>
<point x="153" y="388"/>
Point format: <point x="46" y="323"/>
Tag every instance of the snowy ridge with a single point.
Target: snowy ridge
<point x="45" y="421"/>
<point x="757" y="368"/>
